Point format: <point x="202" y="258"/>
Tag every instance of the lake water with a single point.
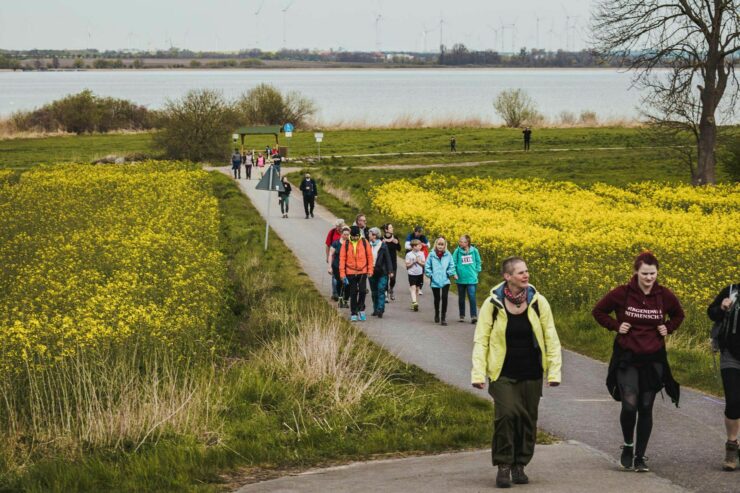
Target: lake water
<point x="350" y="95"/>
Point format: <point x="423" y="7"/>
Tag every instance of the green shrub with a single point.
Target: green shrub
<point x="266" y="105"/>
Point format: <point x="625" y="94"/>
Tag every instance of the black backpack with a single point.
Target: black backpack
<point x="728" y="335"/>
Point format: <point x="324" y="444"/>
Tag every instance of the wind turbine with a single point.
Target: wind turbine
<point x="441" y="31"/>
<point x="568" y="26"/>
<point x="426" y="32"/>
<point x="537" y="38"/>
<point x="257" y="24"/>
<point x="495" y="35"/>
<point x="285" y="10"/>
<point x="378" y="18"/>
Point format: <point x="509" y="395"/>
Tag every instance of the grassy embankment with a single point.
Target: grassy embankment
<point x="297" y="386"/>
<point x="349" y="195"/>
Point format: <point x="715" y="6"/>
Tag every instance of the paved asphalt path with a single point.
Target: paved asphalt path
<point x="687" y="443"/>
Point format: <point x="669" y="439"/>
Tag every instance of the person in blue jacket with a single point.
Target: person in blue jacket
<point x="439" y="268"/>
<point x="467" y="266"/>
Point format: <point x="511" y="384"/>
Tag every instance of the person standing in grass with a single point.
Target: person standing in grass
<point x="310" y="192"/>
<point x="439" y="268"/>
<point x="415" y="260"/>
<point x="248" y="163"/>
<point x="725" y="312"/>
<point x="355" y="266"/>
<point x="342" y="294"/>
<point x="381" y="272"/>
<point x="453" y="144"/>
<point x="516" y="346"/>
<point x="394" y="246"/>
<point x="527" y="132"/>
<point x="236" y="164"/>
<point x="467" y="265"/>
<point x="284" y="197"/>
<point x="333" y="235"/>
<point x="646" y="313"/>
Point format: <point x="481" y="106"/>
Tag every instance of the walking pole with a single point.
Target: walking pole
<point x="269" y="201"/>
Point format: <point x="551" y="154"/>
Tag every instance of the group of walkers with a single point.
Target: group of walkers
<point x="250" y="159"/>
<point x="516" y="346"/>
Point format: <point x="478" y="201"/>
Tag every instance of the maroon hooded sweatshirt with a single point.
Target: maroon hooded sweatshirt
<point x="645" y="312"/>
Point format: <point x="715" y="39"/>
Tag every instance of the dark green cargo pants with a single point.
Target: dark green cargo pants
<point x="515" y="419"/>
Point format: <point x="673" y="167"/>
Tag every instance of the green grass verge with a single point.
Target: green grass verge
<point x="576" y="328"/>
<point x="273" y="420"/>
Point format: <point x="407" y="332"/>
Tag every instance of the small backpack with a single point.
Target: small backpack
<point x="728" y="335"/>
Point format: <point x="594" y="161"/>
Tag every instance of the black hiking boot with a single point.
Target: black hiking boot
<point x="503" y="478"/>
<point x="628" y="454"/>
<point x="380" y="314"/>
<point x="517" y="474"/>
<point x="640" y="465"/>
<point x="731" y="454"/>
<point x="436" y="318"/>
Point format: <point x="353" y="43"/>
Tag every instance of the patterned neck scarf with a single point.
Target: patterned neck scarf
<point x="516" y="299"/>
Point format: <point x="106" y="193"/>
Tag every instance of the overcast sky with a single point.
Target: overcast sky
<point x="227" y="25"/>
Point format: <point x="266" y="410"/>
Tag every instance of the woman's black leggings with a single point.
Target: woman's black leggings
<point x="441" y="293"/>
<point x="637" y="407"/>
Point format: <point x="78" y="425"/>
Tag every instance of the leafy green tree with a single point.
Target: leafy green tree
<point x="266" y="105"/>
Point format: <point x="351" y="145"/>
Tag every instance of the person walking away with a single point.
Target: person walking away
<point x="236" y="164"/>
<point x="527" y="137"/>
<point x="310" y="192"/>
<point x="342" y="294"/>
<point x="381" y="272"/>
<point x="334" y="234"/>
<point x="438" y="268"/>
<point x="248" y="163"/>
<point x="453" y="144"/>
<point x="725" y="313"/>
<point x="467" y="265"/>
<point x="394" y="246"/>
<point x="268" y="152"/>
<point x="516" y="346"/>
<point x="355" y="266"/>
<point x="277" y="161"/>
<point x="639" y="364"/>
<point x="261" y="164"/>
<point x="418" y="233"/>
<point x="284" y="197"/>
<point x="361" y="222"/>
<point x="415" y="260"/>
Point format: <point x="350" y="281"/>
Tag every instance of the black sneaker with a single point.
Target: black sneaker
<point x="628" y="453"/>
<point x="640" y="465"/>
<point x="473" y="320"/>
<point x="436" y="318"/>
<point x="380" y="314"/>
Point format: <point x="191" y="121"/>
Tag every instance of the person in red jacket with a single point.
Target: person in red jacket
<point x="646" y="313"/>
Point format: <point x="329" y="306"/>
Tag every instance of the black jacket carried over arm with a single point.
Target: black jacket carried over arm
<point x="715" y="312"/>
<point x="383" y="265"/>
<point x="287" y="191"/>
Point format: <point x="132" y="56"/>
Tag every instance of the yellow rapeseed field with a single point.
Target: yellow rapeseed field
<point x="101" y="255"/>
<point x="579" y="242"/>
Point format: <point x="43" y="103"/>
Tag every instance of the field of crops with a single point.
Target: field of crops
<point x="579" y="241"/>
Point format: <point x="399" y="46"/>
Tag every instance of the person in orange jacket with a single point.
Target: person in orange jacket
<point x="355" y="266"/>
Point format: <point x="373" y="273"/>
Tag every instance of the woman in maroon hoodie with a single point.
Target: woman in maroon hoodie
<point x="646" y="313"/>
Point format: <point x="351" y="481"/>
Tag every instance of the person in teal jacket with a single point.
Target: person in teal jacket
<point x="468" y="265"/>
<point x="439" y="267"/>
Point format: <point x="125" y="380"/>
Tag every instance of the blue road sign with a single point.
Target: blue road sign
<point x="288" y="127"/>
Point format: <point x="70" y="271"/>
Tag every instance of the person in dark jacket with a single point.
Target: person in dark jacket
<point x="236" y="164"/>
<point x="394" y="246"/>
<point x="284" y="197"/>
<point x="527" y="132"/>
<point x="646" y="313"/>
<point x="310" y="192"/>
<point x="381" y="272"/>
<point x="725" y="312"/>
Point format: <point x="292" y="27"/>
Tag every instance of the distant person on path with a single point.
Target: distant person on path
<point x="268" y="152"/>
<point x="415" y="268"/>
<point x="342" y="294"/>
<point x="439" y="268"/>
<point x="361" y="222"/>
<point x="468" y="266"/>
<point x="516" y="346"/>
<point x="381" y="272"/>
<point x="284" y="197"/>
<point x="332" y="236"/>
<point x="725" y="312"/>
<point x="261" y="164"/>
<point x="394" y="246"/>
<point x="453" y="144"/>
<point x="236" y="164"/>
<point x="639" y="364"/>
<point x="418" y="233"/>
<point x="527" y="137"/>
<point x="277" y="161"/>
<point x="248" y="163"/>
<point x="355" y="266"/>
<point x="310" y="192"/>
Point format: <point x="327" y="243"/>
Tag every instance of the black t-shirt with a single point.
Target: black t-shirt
<point x="523" y="361"/>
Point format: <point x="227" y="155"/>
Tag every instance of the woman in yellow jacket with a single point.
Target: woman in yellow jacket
<point x="515" y="346"/>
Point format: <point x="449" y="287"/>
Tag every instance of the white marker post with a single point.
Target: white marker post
<point x="319" y="136"/>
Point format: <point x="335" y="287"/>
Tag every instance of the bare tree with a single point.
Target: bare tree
<point x="697" y="40"/>
<point x="516" y="108"/>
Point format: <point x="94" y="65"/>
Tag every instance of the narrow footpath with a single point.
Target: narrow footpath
<point x="687" y="443"/>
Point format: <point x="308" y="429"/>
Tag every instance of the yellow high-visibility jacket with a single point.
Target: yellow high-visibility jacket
<point x="489" y="350"/>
